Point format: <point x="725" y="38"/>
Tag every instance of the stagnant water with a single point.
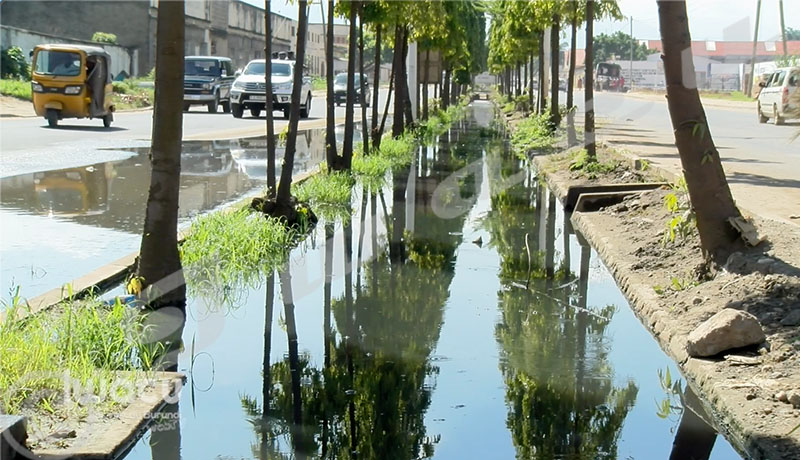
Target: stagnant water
<point x="455" y="316"/>
<point x="59" y="225"/>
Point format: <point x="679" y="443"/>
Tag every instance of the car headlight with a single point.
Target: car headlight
<point x="285" y="85"/>
<point x="207" y="85"/>
<point x="239" y="84"/>
<point x="73" y="89"/>
<point x="36" y="87"/>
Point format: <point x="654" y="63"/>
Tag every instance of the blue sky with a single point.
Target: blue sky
<point x="708" y="19"/>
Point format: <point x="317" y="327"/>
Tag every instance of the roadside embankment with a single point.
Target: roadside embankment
<point x="754" y="392"/>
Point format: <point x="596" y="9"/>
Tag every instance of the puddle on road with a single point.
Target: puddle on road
<point x="59" y="225"/>
<point x="456" y="316"/>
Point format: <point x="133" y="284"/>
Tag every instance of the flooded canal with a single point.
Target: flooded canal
<point x="59" y="225"/>
<point x="456" y="315"/>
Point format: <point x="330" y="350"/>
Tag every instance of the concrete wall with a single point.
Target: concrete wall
<point x="80" y="20"/>
<point x="121" y="58"/>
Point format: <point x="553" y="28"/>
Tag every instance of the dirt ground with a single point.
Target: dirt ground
<point x="13" y="107"/>
<point x="749" y="389"/>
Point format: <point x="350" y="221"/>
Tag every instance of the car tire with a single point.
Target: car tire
<point x="777" y="119"/>
<point x="186" y="107"/>
<point x="306" y="109"/>
<point x="52" y="118"/>
<point x="761" y="117"/>
<point x="286" y="113"/>
<point x="255" y="112"/>
<point x="226" y="106"/>
<point x="213" y="105"/>
<point x="107" y="119"/>
<point x="237" y="110"/>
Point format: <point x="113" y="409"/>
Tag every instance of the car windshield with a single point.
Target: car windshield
<point x="59" y="63"/>
<point x="196" y="67"/>
<point x="281" y="69"/>
<point x="255" y="68"/>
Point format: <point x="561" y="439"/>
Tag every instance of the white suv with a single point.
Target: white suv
<point x="775" y="100"/>
<point x="249" y="92"/>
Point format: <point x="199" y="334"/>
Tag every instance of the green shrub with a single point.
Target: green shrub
<point x="104" y="37"/>
<point x="13" y="64"/>
<point x="533" y="134"/>
<point x="399" y="151"/>
<point x="16" y="88"/>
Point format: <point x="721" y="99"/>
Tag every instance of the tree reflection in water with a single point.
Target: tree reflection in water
<point x="370" y="396"/>
<point x="562" y="402"/>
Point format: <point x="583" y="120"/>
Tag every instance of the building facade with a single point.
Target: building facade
<point x="218" y="27"/>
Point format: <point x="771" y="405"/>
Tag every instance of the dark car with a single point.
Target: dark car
<point x="207" y="80"/>
<point x="340" y="89"/>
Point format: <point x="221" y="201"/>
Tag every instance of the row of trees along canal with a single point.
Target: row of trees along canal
<point x="455" y="29"/>
<point x="517" y="38"/>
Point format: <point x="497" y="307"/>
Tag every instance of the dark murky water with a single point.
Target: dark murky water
<point x="456" y="316"/>
<point x="59" y="225"/>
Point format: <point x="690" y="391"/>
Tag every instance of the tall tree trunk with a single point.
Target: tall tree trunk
<point x="425" y="86"/>
<point x="376" y="85"/>
<point x="530" y="84"/>
<point x="708" y="188"/>
<point x="271" y="186"/>
<point x="363" y="80"/>
<point x="588" y="87"/>
<point x="555" y="54"/>
<point x="572" y="137"/>
<point x="284" y="188"/>
<point x="444" y="101"/>
<point x="332" y="157"/>
<point x="347" y="147"/>
<point x="542" y="106"/>
<point x="159" y="268"/>
<point x="517" y="81"/>
<point x="379" y="134"/>
<point x="408" y="115"/>
<point x="397" y="122"/>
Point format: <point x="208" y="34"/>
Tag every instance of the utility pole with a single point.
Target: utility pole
<point x="755" y="49"/>
<point x="783" y="31"/>
<point x="630" y="83"/>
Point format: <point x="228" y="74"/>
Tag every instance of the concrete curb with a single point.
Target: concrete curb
<point x="719" y="397"/>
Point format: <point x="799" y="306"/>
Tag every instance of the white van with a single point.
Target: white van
<point x="776" y="101"/>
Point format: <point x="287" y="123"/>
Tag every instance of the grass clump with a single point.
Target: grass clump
<point x="371" y="170"/>
<point x="399" y="151"/>
<point x="590" y="167"/>
<point x="16" y="88"/>
<point x="533" y="134"/>
<point x="331" y="188"/>
<point x="228" y="250"/>
<point x="86" y="342"/>
<point x="129" y="95"/>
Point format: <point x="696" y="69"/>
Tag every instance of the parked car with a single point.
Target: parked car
<point x="207" y="80"/>
<point x="776" y="101"/>
<point x="340" y="89"/>
<point x="249" y="89"/>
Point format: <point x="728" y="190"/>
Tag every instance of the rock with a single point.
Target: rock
<point x="725" y="330"/>
<point x="794" y="398"/>
<point x="697" y="301"/>
<point x="792" y="319"/>
<point x="782" y="396"/>
<point x="764" y="264"/>
<point x="736" y="262"/>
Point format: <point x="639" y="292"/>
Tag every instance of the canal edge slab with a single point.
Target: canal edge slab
<point x="720" y="397"/>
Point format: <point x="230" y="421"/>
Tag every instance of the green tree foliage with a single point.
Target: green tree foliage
<point x="13" y="64"/>
<point x="104" y="37"/>
<point x="792" y="33"/>
<point x="619" y="45"/>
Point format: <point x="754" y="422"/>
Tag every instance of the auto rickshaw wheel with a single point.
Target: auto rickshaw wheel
<point x="52" y="117"/>
<point x="107" y="119"/>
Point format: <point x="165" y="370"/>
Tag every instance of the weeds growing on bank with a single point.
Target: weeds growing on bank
<point x="328" y="193"/>
<point x="533" y="134"/>
<point x="227" y="250"/>
<point x="88" y="340"/>
<point x="16" y="88"/>
<point x="591" y="167"/>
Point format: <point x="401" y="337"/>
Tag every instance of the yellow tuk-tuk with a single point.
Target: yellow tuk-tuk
<point x="72" y="81"/>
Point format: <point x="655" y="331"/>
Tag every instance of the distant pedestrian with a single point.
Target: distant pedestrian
<point x="580" y="82"/>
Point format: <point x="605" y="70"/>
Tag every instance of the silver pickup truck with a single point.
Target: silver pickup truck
<point x="249" y="92"/>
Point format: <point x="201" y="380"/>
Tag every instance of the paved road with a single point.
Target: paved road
<point x="28" y="145"/>
<point x="762" y="162"/>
